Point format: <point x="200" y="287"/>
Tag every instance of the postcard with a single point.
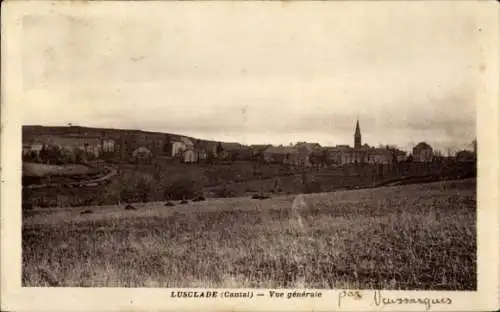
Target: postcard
<point x="250" y="156"/>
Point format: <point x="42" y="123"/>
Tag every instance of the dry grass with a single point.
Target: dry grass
<point x="407" y="237"/>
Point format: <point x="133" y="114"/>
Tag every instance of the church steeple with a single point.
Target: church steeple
<point x="357" y="136"/>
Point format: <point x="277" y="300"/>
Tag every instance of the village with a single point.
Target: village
<point x="80" y="145"/>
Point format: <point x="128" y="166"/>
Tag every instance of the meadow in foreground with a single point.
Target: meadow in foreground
<point x="406" y="237"/>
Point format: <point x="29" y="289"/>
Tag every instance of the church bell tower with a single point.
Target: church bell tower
<point x="357" y="136"/>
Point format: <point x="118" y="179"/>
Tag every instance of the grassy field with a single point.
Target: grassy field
<point x="404" y="237"/>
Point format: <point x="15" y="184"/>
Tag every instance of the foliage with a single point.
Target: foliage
<point x="219" y="149"/>
<point x="181" y="189"/>
<point x="312" y="187"/>
<point x="143" y="188"/>
<point x="138" y="192"/>
<point x="224" y="192"/>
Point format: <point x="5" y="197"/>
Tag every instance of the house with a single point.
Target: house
<point x="379" y="156"/>
<point x="142" y="153"/>
<point x="344" y="154"/>
<point x="465" y="156"/>
<point x="362" y="153"/>
<point x="258" y="149"/>
<point x="205" y="149"/>
<point x="422" y="152"/>
<point x="357" y="155"/>
<point x="306" y="150"/>
<point x="334" y="154"/>
<point x="184" y="149"/>
<point x="352" y="156"/>
<point x="311" y="147"/>
<point x="288" y="155"/>
<point x="189" y="156"/>
<point x="36" y="147"/>
<point x="244" y="153"/>
<point x="233" y="151"/>
<point x="108" y="145"/>
<point x="401" y="156"/>
<point x="92" y="146"/>
<point x="179" y="146"/>
<point x="304" y="155"/>
<point x="201" y="154"/>
<point x="366" y="155"/>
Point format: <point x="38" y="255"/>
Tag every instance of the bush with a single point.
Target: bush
<point x="257" y="196"/>
<point x="182" y="189"/>
<point x="86" y="211"/>
<point x="130" y="207"/>
<point x="143" y="189"/>
<point x="140" y="192"/>
<point x="225" y="192"/>
<point x="312" y="187"/>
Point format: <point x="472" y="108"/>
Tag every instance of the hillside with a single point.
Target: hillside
<point x="32" y="131"/>
<point x="239" y="179"/>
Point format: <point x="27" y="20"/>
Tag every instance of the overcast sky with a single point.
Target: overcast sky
<point x="259" y="72"/>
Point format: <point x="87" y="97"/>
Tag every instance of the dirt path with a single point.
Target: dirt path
<point x="93" y="182"/>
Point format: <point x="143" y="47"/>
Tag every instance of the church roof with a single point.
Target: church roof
<point x="357" y="131"/>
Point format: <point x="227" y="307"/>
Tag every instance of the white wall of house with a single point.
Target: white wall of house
<point x="189" y="156"/>
<point x="202" y="154"/>
<point x="381" y="159"/>
<point x="424" y="155"/>
<point x="108" y="145"/>
<point x="178" y="148"/>
<point x="36" y="147"/>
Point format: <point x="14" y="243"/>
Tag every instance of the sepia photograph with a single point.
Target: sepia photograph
<point x="229" y="146"/>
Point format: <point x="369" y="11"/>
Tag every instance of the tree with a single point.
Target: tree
<point x="255" y="171"/>
<point x="277" y="185"/>
<point x="44" y="154"/>
<point x="317" y="158"/>
<point x="219" y="149"/>
<point x="304" y="177"/>
<point x="126" y="195"/>
<point x="210" y="158"/>
<point x="225" y="191"/>
<point x="182" y="189"/>
<point x="143" y="189"/>
<point x="156" y="171"/>
<point x="52" y="155"/>
<point x="80" y="157"/>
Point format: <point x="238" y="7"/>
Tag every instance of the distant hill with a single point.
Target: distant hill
<point x="30" y="132"/>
